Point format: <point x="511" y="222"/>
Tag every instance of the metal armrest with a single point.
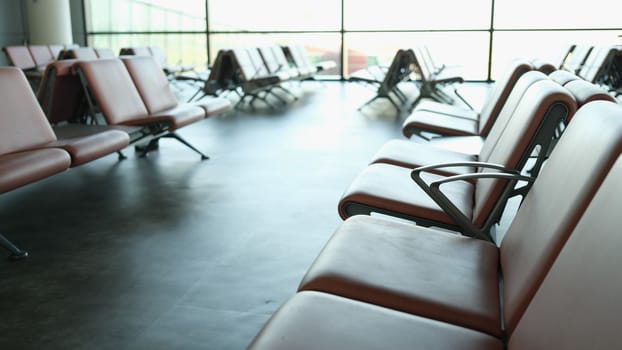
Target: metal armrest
<point x="434" y="192"/>
<point x="467" y="164"/>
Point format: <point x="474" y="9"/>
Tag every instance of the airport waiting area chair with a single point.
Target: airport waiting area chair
<point x="32" y="150"/>
<point x="386" y="80"/>
<point x="172" y="71"/>
<point x="430" y="81"/>
<point x="21" y="57"/>
<point x="129" y="93"/>
<point x="450" y="120"/>
<point x="473" y="202"/>
<point x="410" y="287"/>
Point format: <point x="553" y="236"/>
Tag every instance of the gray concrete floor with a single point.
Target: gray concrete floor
<point x="170" y="252"/>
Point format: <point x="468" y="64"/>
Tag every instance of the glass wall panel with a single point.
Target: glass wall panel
<point x="274" y="15"/>
<point x="547" y="45"/>
<point x="466" y="53"/>
<point x="416" y="14"/>
<point x="457" y="32"/>
<point x="145" y="16"/>
<point x="557" y="14"/>
<point x="319" y="47"/>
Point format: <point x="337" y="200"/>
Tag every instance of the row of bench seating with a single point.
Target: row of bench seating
<point x="33" y="59"/>
<point x="131" y="94"/>
<point x="524" y="130"/>
<point x="597" y="64"/>
<point x="171" y="70"/>
<point x="550" y="283"/>
<point x="254" y="73"/>
<point x="414" y="64"/>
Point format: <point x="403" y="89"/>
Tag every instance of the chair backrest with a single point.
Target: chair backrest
<point x="270" y="60"/>
<point x="112" y="88"/>
<point x="104" y="52"/>
<point x="577" y="305"/>
<point x="22" y="123"/>
<point x="296" y="55"/>
<point x="158" y="55"/>
<point x="397" y="71"/>
<point x="41" y="54"/>
<point x="507" y="111"/>
<point x="301" y="55"/>
<point x="81" y="53"/>
<point x="151" y="83"/>
<point x="575" y="171"/>
<point x="217" y="71"/>
<point x="574" y="60"/>
<point x="499" y="95"/>
<point x="280" y="57"/>
<point x="425" y="74"/>
<point x="244" y="64"/>
<point x="543" y="66"/>
<point x="55" y="50"/>
<point x="562" y="77"/>
<point x="136" y="51"/>
<point x="597" y="63"/>
<point x="543" y="107"/>
<point x="20" y="57"/>
<point x="261" y="69"/>
<point x="586" y="92"/>
<point x="60" y="94"/>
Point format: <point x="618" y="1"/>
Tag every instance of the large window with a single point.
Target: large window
<point x="274" y="15"/>
<point x="477" y="37"/>
<point x="178" y="27"/>
<point x="416" y="15"/>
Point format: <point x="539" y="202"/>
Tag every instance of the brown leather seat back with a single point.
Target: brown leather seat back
<point x="113" y="90"/>
<point x="261" y="69"/>
<point x="242" y="61"/>
<point x="81" y="53"/>
<point x="574" y="60"/>
<point x="543" y="66"/>
<point x="585" y="92"/>
<point x="280" y="57"/>
<point x="500" y="93"/>
<point x="596" y="63"/>
<point x="22" y="122"/>
<point x="578" y="303"/>
<point x="507" y="111"/>
<point x="216" y="72"/>
<point x="157" y="53"/>
<point x="41" y="54"/>
<point x="136" y="51"/>
<point x="55" y="50"/>
<point x="20" y="57"/>
<point x="542" y="101"/>
<point x="270" y="59"/>
<point x="151" y="83"/>
<point x="563" y="77"/>
<point x="60" y="94"/>
<point x="576" y="167"/>
<point x="421" y="67"/>
<point x="104" y="52"/>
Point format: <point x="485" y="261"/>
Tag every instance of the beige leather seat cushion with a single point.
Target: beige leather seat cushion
<point x="391" y="188"/>
<point x="426" y="272"/>
<point x="409" y="154"/>
<point x="319" y="321"/>
<point x="22" y="168"/>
